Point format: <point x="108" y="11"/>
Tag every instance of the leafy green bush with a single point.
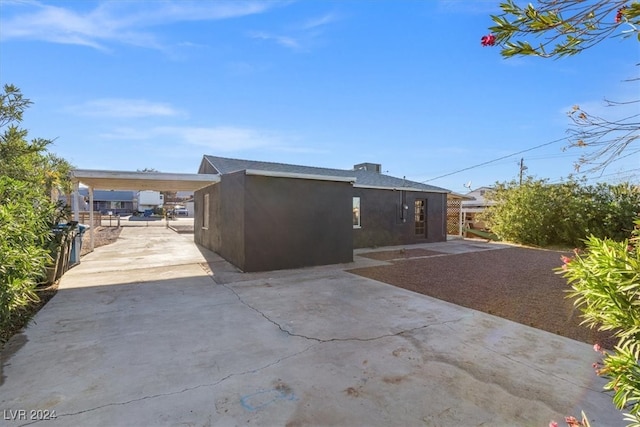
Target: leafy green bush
<point x="543" y="214"/>
<point x="24" y="230"/>
<point x="29" y="178"/>
<point x="606" y="284"/>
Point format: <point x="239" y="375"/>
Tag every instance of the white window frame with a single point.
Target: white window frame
<point x="357" y="213"/>
<point x="205" y="213"/>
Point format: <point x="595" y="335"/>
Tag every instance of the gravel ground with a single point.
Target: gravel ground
<point x="518" y="284"/>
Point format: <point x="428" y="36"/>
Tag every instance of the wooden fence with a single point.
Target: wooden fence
<point x="83" y="218"/>
<point x="454" y="207"/>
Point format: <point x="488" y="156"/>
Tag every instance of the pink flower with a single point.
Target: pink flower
<point x="572" y="422"/>
<point x="565" y="259"/>
<point x="488" y="40"/>
<point x="619" y="14"/>
<point x="597" y="347"/>
<point x="553" y="424"/>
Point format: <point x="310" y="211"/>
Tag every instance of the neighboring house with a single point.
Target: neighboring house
<point x="471" y="208"/>
<point x="105" y="201"/>
<point x="267" y="216"/>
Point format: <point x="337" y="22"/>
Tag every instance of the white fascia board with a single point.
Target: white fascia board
<point x="123" y="180"/>
<point x="275" y="174"/>
<point x="421" y="190"/>
<point x="151" y="176"/>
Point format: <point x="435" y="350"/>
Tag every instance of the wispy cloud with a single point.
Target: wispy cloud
<point x="124" y="108"/>
<point x="285" y="41"/>
<point x="469" y="7"/>
<point x="210" y="139"/>
<point x="319" y="21"/>
<point x="225" y="138"/>
<point x="299" y="37"/>
<point x="119" y="22"/>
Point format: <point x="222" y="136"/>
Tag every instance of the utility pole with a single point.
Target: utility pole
<point x="522" y="168"/>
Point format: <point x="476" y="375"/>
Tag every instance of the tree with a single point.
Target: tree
<point x="27" y="160"/>
<point x="28" y="174"/>
<point x="568" y="27"/>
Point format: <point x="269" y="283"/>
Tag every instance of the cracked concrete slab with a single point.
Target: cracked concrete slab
<point x="186" y="339"/>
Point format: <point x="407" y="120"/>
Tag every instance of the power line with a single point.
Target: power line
<point x="621" y="174"/>
<point x="495" y="160"/>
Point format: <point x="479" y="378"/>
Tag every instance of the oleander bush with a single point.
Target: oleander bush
<point x="605" y="282"/>
<point x="29" y="177"/>
<point x="542" y="214"/>
<point x="24" y="234"/>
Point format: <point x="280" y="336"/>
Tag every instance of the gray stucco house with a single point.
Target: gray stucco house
<point x="264" y="216"/>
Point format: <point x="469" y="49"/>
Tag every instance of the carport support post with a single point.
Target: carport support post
<point x="74" y="203"/>
<point x="92" y="225"/>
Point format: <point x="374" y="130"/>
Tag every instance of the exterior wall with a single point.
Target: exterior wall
<point x="263" y="223"/>
<point x="225" y="231"/>
<point x="206" y="167"/>
<point x="208" y="237"/>
<point x="293" y="223"/>
<point x="381" y="218"/>
<point x="231" y="221"/>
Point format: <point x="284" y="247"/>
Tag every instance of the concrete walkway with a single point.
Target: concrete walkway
<point x="153" y="330"/>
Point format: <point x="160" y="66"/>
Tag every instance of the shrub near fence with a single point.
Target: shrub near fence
<point x="542" y="214"/>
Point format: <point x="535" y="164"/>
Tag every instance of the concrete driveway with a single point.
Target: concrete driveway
<point x="153" y="330"/>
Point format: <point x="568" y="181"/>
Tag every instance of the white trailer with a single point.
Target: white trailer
<point x="149" y="199"/>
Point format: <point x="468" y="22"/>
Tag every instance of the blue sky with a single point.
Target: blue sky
<point x="128" y="85"/>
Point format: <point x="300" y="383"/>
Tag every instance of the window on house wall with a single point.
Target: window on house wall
<point x="420" y="216"/>
<point x="356" y="212"/>
<point x="205" y="212"/>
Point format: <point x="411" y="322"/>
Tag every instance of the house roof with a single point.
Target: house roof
<point x="108" y="196"/>
<point x="362" y="178"/>
<point x="477" y="200"/>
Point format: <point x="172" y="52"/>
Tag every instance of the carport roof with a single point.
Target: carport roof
<point x="123" y="180"/>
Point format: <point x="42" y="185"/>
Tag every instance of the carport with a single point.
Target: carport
<point x="125" y="180"/>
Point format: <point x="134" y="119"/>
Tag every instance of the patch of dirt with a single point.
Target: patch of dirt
<point x="19" y="318"/>
<point x="518" y="284"/>
<point x="101" y="236"/>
